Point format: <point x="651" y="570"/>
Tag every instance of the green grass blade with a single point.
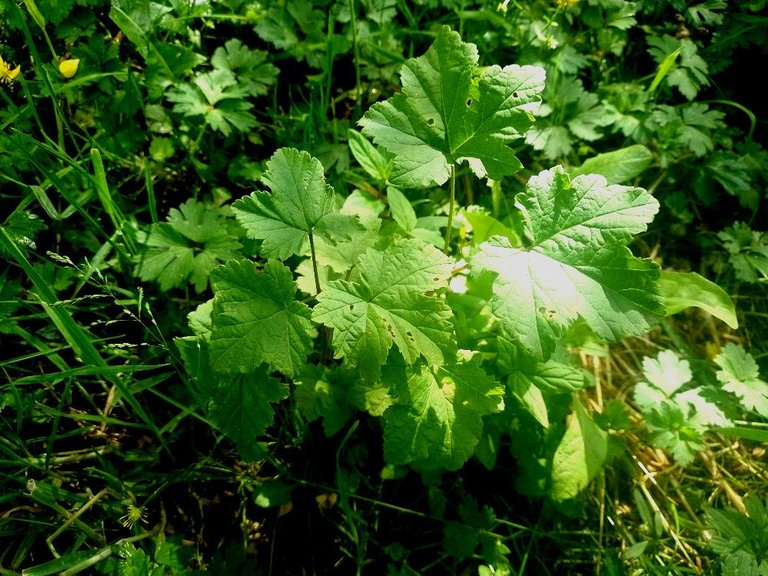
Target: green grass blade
<point x="70" y="330"/>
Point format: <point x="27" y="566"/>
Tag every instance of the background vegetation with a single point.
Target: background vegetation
<point x="133" y="134"/>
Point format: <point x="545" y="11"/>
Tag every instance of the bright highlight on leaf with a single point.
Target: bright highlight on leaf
<point x="740" y="376"/>
<point x="300" y="203"/>
<point x="579" y="456"/>
<point x="389" y="304"/>
<point x="451" y="110"/>
<point x="577" y="264"/>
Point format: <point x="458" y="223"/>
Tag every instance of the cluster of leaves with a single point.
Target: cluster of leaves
<point x="404" y="295"/>
<point x="388" y="311"/>
<point x="741" y="539"/>
<point x="678" y="412"/>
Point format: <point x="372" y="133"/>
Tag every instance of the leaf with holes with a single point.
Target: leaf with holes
<point x="576" y="263"/>
<point x="451" y="110"/>
<point x="390" y="303"/>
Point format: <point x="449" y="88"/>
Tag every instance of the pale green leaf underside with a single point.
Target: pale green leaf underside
<point x="740" y="376"/>
<point x="579" y="456"/>
<point x="300" y="203"/>
<point x="577" y="264"/>
<point x="437" y="419"/>
<point x="681" y="290"/>
<point x="388" y="305"/>
<point x="257" y="320"/>
<point x="451" y="110"/>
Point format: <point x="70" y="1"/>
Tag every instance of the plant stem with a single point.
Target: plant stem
<point x="314" y="261"/>
<point x="356" y="53"/>
<point x="451" y="206"/>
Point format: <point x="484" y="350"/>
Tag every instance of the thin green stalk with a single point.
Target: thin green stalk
<point x="314" y="261"/>
<point x="71" y="330"/>
<point x="451" y="208"/>
<point x="151" y="199"/>
<point x="102" y="190"/>
<point x="747" y="111"/>
<point x="356" y="54"/>
<point x="42" y="72"/>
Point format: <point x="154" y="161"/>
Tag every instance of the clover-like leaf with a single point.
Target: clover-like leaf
<point x="257" y="320"/>
<point x="437" y="419"/>
<point x="389" y="304"/>
<point x="300" y="203"/>
<point x="250" y="67"/>
<point x="187" y="247"/>
<point x="576" y="264"/>
<point x="218" y="98"/>
<point x="740" y="376"/>
<point x="451" y="110"/>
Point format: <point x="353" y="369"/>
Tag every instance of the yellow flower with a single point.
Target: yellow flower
<point x="68" y="68"/>
<point x="566" y="3"/>
<point x="6" y="74"/>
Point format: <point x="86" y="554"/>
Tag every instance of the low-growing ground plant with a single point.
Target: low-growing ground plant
<point x="455" y="328"/>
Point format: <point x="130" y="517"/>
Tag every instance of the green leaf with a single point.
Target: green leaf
<point x="437" y="418"/>
<point x="666" y="373"/>
<point x="389" y="304"/>
<point x="401" y="209"/>
<point x="579" y="457"/>
<point x="300" y="203"/>
<point x="241" y="406"/>
<point x="619" y="166"/>
<point x="738" y="533"/>
<point x="218" y="98"/>
<point x="187" y="247"/>
<point x="688" y="72"/>
<point x="250" y="67"/>
<point x="576" y="265"/>
<point x="748" y="251"/>
<point x="323" y="392"/>
<point x="681" y="290"/>
<point x="256" y="319"/>
<point x="136" y="18"/>
<point x="483" y="226"/>
<point x="376" y="163"/>
<point x="740" y="376"/>
<point x="451" y="110"/>
<point x="673" y="428"/>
